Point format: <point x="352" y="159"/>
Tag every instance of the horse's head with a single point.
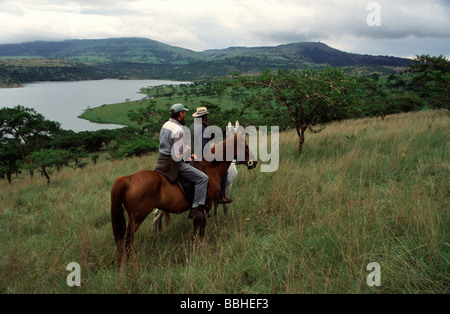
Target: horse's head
<point x="241" y="150"/>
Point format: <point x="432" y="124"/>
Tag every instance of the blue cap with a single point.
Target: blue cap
<point x="178" y="108"/>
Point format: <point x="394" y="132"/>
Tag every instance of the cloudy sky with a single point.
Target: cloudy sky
<point x="384" y="27"/>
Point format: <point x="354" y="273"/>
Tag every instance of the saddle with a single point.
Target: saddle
<point x="186" y="186"/>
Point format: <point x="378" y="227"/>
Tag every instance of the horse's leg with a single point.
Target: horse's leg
<point x="129" y="236"/>
<point x="133" y="226"/>
<point x="199" y="223"/>
<point x="200" y="216"/>
<point x="202" y="224"/>
<point x="157" y="221"/>
<point x="128" y="240"/>
<point x="225" y="209"/>
<point x="194" y="230"/>
<point x="166" y="219"/>
<point x="216" y="204"/>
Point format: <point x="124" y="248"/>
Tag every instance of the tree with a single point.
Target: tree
<point x="397" y="103"/>
<point x="94" y="158"/>
<point x="381" y="100"/>
<point x="149" y="117"/>
<point x="28" y="131"/>
<point x="68" y="139"/>
<point x="133" y="142"/>
<point x="98" y="138"/>
<point x="77" y="154"/>
<point x="308" y="98"/>
<point x="432" y="79"/>
<point x="9" y="159"/>
<point x="46" y="158"/>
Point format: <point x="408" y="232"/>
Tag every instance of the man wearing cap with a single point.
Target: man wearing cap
<point x="170" y="164"/>
<point x="199" y="141"/>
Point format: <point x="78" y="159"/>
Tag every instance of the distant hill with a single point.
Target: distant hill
<point x="308" y="52"/>
<point x="146" y="58"/>
<point x="136" y="50"/>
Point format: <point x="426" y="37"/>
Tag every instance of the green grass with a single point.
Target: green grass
<point x="363" y="191"/>
<point x="117" y="113"/>
<point x="114" y="113"/>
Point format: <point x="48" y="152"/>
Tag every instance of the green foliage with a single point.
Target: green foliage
<point x="90" y="141"/>
<point x="431" y="76"/>
<point x="10" y="158"/>
<point x="309" y="97"/>
<point x="145" y="58"/>
<point x="46" y="158"/>
<point x="14" y="72"/>
<point x="27" y="129"/>
<point x="425" y="84"/>
<point x="76" y="155"/>
<point x="381" y="99"/>
<point x="150" y="118"/>
<point x="133" y="142"/>
<point x="29" y="141"/>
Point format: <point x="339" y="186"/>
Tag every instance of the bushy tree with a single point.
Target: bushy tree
<point x="308" y="98"/>
<point x="431" y="78"/>
<point x="10" y="158"/>
<point x="28" y="131"/>
<point x="382" y="100"/>
<point x="133" y="142"/>
<point x="44" y="159"/>
<point x="150" y="118"/>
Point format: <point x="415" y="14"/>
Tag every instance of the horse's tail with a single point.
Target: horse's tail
<point x="117" y="211"/>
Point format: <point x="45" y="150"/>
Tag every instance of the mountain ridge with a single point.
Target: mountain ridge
<point x="143" y="57"/>
<point x="66" y="50"/>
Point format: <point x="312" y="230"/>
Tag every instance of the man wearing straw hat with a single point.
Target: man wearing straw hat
<point x="199" y="140"/>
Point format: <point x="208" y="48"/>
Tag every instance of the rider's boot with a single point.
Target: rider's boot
<point x="198" y="212"/>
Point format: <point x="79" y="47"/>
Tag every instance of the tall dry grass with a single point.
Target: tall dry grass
<point x="363" y="191"/>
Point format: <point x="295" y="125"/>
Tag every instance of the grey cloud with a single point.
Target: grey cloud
<point x="208" y="24"/>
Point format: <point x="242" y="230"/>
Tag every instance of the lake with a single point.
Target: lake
<point x="65" y="101"/>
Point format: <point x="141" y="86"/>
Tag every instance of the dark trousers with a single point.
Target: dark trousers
<point x="223" y="184"/>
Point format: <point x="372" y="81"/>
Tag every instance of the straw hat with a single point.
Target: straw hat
<point x="201" y="111"/>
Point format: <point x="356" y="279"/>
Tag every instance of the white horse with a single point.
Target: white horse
<point x="232" y="175"/>
<point x="232" y="171"/>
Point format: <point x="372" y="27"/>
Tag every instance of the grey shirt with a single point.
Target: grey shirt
<point x="170" y="135"/>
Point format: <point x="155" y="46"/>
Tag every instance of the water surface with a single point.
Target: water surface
<point x="65" y="101"/>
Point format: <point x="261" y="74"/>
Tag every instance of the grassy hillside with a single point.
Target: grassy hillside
<point x="363" y="191"/>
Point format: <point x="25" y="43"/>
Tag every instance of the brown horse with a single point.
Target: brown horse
<point x="140" y="193"/>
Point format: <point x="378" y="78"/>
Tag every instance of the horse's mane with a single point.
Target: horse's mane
<point x="199" y="164"/>
<point x="223" y="145"/>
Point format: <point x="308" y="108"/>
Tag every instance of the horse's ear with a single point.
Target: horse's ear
<point x="229" y="124"/>
<point x="236" y="129"/>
